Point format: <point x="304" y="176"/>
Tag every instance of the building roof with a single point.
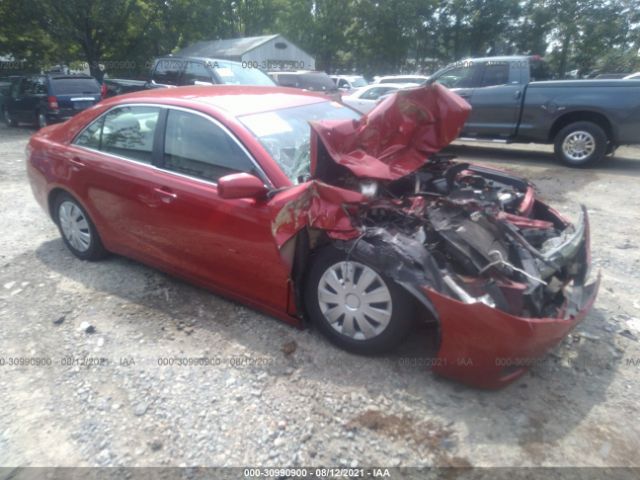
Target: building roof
<point x="227" y="48"/>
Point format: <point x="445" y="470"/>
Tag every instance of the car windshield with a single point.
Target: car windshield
<point x="234" y="74"/>
<point x="72" y="86"/>
<point x="285" y="133"/>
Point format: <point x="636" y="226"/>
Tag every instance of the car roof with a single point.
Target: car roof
<point x="237" y="100"/>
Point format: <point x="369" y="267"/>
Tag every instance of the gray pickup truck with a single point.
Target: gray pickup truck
<point x="585" y="120"/>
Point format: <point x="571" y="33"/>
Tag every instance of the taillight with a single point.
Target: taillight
<point x="53" y="103"/>
<point x="103" y="90"/>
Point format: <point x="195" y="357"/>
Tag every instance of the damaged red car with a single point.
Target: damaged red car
<point x="300" y="207"/>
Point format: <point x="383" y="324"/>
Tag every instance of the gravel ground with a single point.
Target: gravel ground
<point x="273" y="395"/>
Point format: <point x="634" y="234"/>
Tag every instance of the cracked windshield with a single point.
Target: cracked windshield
<point x="285" y="133"/>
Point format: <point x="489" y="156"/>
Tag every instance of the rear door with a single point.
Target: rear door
<point x="111" y="161"/>
<point x="496" y="100"/>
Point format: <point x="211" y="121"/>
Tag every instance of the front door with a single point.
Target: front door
<point x="225" y="242"/>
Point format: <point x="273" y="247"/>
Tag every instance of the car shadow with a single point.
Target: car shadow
<point x="574" y="379"/>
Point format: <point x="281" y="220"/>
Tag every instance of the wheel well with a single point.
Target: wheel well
<point x="582" y="116"/>
<point x="51" y="200"/>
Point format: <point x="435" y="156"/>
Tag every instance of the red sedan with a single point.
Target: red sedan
<point x="300" y="207"/>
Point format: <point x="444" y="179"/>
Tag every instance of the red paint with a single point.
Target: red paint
<point x="397" y="136"/>
<point x="488" y="348"/>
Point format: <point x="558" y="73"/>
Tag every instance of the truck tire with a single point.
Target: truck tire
<point x="581" y="144"/>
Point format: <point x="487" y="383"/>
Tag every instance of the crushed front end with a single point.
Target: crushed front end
<point x="503" y="275"/>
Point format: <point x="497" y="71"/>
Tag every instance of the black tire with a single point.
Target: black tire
<point x="592" y="134"/>
<point x="403" y="308"/>
<point x="94" y="249"/>
<point x="8" y="119"/>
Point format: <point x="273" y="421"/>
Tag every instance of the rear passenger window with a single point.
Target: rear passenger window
<point x="90" y="137"/>
<point x="197" y="147"/>
<point x="129" y="131"/>
<point x="167" y="72"/>
<point x="126" y="131"/>
<point x="495" y="74"/>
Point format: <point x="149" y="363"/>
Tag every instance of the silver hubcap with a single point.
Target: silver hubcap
<point x="355" y="300"/>
<point x="74" y="226"/>
<point x="579" y="145"/>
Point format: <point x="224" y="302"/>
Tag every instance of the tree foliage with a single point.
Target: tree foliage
<point x="367" y="36"/>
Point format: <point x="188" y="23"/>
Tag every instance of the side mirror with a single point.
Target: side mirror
<point x="241" y="185"/>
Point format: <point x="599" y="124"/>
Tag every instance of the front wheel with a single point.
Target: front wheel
<point x="78" y="231"/>
<point x="355" y="306"/>
<point x="580" y="144"/>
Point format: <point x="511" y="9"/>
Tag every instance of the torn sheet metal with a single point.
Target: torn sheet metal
<point x="316" y="205"/>
<point x="396" y="137"/>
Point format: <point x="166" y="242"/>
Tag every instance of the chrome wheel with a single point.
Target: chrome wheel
<point x="578" y="145"/>
<point x="354" y="300"/>
<point x="74" y="226"/>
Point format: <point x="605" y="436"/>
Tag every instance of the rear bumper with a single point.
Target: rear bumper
<point x="488" y="348"/>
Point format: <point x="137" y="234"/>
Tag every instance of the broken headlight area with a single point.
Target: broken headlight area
<point x="488" y="240"/>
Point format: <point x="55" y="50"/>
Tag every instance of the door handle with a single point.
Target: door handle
<point x="75" y="162"/>
<point x="166" y="194"/>
<point x="517" y="94"/>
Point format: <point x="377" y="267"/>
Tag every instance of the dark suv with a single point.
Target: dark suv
<point x="176" y="71"/>
<point x="45" y="99"/>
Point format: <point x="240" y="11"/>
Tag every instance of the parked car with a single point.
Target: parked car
<point x="584" y="119"/>
<point x="418" y="79"/>
<point x="349" y="82"/>
<point x="289" y="202"/>
<point x="364" y="99"/>
<point x="181" y="71"/>
<point x="307" y="80"/>
<point x="46" y="99"/>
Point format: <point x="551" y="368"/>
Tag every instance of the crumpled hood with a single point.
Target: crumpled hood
<point x="395" y="138"/>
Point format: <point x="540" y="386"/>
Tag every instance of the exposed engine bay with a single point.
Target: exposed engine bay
<point x="488" y="239"/>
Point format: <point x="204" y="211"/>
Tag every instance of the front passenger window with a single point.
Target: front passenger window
<point x="198" y="147"/>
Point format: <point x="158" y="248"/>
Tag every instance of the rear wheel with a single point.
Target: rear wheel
<point x="580" y="144"/>
<point x="355" y="306"/>
<point x="78" y="231"/>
